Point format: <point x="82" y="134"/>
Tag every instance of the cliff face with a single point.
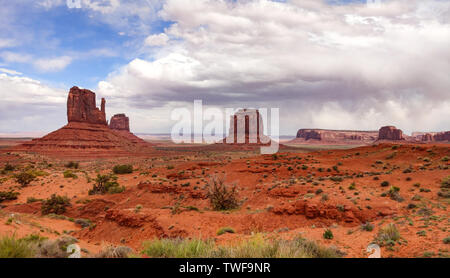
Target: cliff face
<point x="442" y="136"/>
<point x="336" y="136"/>
<point x="119" y="122"/>
<point x="81" y="107"/>
<point x="390" y="133"/>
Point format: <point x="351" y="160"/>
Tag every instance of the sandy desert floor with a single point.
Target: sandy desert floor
<point x="299" y="191"/>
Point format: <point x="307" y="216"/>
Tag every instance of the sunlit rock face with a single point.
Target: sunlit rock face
<point x="81" y="107"/>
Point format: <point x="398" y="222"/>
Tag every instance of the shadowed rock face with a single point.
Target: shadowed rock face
<point x="390" y="133"/>
<point x="119" y="122"/>
<point x="442" y="136"/>
<point x="81" y="107"/>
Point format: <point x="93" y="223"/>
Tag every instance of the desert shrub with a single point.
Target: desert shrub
<point x="8" y="195"/>
<point x="224" y="230"/>
<point x="221" y="196"/>
<point x="72" y="164"/>
<point x="69" y="174"/>
<point x="446" y="183"/>
<point x="388" y="235"/>
<point x="328" y="234"/>
<point x="32" y="200"/>
<point x="123" y="169"/>
<point x="367" y="227"/>
<point x="8" y="167"/>
<point x="255" y="247"/>
<point x="24" y="178"/>
<point x="10" y="247"/>
<point x="385" y="184"/>
<point x="55" y="204"/>
<point x="55" y="248"/>
<point x="445" y="159"/>
<point x="446" y="240"/>
<point x="111" y="252"/>
<point x="106" y="184"/>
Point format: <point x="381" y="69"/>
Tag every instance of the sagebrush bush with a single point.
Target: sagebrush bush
<point x="24" y="178"/>
<point x="8" y="167"/>
<point x="69" y="174"/>
<point x="112" y="252"/>
<point x="72" y="164"/>
<point x="328" y="234"/>
<point x="224" y="230"/>
<point x="123" y="169"/>
<point x="55" y="204"/>
<point x="222" y="196"/>
<point x="8" y="195"/>
<point x="106" y="184"/>
<point x="388" y="235"/>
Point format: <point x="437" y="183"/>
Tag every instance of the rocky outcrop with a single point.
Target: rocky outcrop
<point x="442" y="136"/>
<point x="119" y="122"/>
<point x="390" y="133"/>
<point x="81" y="107"/>
<point x="87" y="133"/>
<point x="328" y="136"/>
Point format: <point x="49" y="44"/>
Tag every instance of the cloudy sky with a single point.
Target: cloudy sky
<point x="325" y="64"/>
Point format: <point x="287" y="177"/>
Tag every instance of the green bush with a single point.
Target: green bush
<point x="123" y="169"/>
<point x="8" y="195"/>
<point x="68" y="174"/>
<point x="55" y="204"/>
<point x="221" y="196"/>
<point x="8" y="167"/>
<point x="328" y="234"/>
<point x="367" y="227"/>
<point x="224" y="230"/>
<point x="72" y="164"/>
<point x="385" y="184"/>
<point x="24" y="178"/>
<point x="106" y="184"/>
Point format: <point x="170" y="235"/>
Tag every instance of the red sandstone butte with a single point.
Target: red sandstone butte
<point x="246" y="127"/>
<point x="87" y="133"/>
<point x="119" y="122"/>
<point x="442" y="136"/>
<point x="390" y="133"/>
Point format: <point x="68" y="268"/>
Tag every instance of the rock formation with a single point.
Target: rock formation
<point x="390" y="133"/>
<point x="328" y="136"/>
<point x="246" y="127"/>
<point x="119" y="122"/>
<point x="442" y="136"/>
<point x="87" y="133"/>
<point x="81" y="107"/>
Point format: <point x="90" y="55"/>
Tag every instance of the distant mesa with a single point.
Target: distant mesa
<point x="87" y="132"/>
<point x="330" y="136"/>
<point x="246" y="127"/>
<point x="390" y="133"/>
<point x="120" y="122"/>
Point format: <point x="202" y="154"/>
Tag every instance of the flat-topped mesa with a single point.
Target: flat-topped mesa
<point x="120" y="122"/>
<point x="81" y="107"/>
<point x="336" y="135"/>
<point x="390" y="133"/>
